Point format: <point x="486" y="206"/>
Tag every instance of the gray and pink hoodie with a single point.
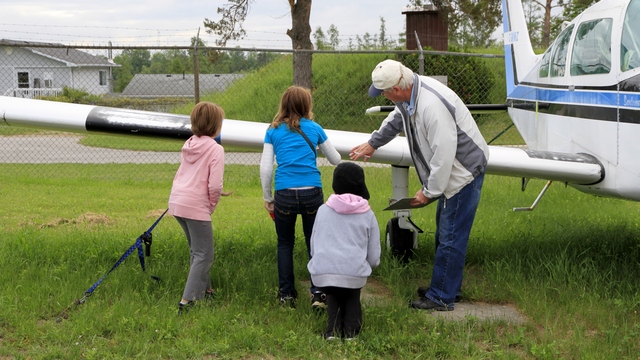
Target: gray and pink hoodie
<point x="345" y="243"/>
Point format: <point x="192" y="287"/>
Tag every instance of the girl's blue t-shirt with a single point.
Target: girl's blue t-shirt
<point x="296" y="161"/>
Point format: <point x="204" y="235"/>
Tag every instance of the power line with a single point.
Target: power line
<point x="168" y="36"/>
<point x="94" y="27"/>
<point x="88" y="36"/>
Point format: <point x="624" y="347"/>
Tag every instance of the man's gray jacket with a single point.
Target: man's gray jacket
<point x="447" y="149"/>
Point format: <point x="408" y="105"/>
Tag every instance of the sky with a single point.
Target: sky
<point x="174" y="23"/>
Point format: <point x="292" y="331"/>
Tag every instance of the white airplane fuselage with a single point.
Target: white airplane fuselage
<point x="582" y="95"/>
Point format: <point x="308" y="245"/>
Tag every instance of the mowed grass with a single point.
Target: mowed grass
<point x="571" y="268"/>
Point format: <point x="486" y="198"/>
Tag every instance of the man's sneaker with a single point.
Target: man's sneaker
<point x="427" y="304"/>
<point x="318" y="300"/>
<point x="288" y="301"/>
<point x="422" y="291"/>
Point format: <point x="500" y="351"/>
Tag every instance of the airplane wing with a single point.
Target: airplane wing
<point x="578" y="169"/>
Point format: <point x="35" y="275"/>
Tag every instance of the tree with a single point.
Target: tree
<point x="547" y="6"/>
<point x="122" y="75"/>
<point x="230" y="28"/>
<point x="575" y="7"/>
<point x="382" y="39"/>
<point x="131" y="62"/>
<point x="321" y="40"/>
<point x="334" y="37"/>
<point x="159" y="63"/>
<point x="139" y="58"/>
<point x="402" y="39"/>
<point x="534" y="22"/>
<point x="481" y="17"/>
<point x="367" y="42"/>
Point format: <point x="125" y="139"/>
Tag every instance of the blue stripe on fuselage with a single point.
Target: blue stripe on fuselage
<point x="575" y="97"/>
<point x="510" y="68"/>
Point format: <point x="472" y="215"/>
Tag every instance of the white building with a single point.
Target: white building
<point x="29" y="69"/>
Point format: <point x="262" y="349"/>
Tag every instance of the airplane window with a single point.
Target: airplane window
<point x="559" y="58"/>
<point x="544" y="63"/>
<point x="592" y="48"/>
<point x="629" y="49"/>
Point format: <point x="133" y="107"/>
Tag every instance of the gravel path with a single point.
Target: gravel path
<point x="67" y="149"/>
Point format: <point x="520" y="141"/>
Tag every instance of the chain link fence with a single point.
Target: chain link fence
<point x="246" y="82"/>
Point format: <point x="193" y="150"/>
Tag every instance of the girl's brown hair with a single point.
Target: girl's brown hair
<point x="296" y="103"/>
<point x="206" y="119"/>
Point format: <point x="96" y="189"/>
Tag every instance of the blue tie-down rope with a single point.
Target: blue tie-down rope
<point x="145" y="238"/>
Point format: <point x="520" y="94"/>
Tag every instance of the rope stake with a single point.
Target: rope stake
<point x="145" y="238"/>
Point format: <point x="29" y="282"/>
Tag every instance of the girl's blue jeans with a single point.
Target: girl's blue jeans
<point x="288" y="204"/>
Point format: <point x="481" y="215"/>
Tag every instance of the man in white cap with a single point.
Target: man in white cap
<point x="450" y="156"/>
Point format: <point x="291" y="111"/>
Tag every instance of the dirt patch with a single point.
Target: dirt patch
<point x="375" y="292"/>
<point x="86" y="218"/>
<point x="481" y="311"/>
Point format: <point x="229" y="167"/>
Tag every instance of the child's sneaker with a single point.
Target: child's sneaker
<point x="184" y="307"/>
<point x="329" y="336"/>
<point x="288" y="301"/>
<point x="318" y="300"/>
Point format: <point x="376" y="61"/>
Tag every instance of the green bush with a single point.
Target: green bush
<point x="469" y="77"/>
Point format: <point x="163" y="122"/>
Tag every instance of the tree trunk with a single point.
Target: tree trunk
<point x="546" y="29"/>
<point x="300" y="34"/>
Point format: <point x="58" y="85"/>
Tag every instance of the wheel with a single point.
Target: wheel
<point x="399" y="241"/>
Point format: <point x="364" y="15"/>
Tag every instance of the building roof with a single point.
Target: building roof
<point x="59" y="52"/>
<point x="423" y="8"/>
<point x="170" y="85"/>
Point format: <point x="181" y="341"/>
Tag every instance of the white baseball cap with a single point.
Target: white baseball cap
<point x="385" y="75"/>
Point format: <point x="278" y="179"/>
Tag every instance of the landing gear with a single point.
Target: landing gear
<point x="402" y="236"/>
<point x="401" y="233"/>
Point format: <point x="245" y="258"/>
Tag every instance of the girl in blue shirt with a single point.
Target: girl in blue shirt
<point x="291" y="141"/>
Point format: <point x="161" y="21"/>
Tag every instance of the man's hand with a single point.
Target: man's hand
<point x="420" y="199"/>
<point x="363" y="150"/>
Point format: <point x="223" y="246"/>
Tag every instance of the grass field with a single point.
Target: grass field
<point x="570" y="267"/>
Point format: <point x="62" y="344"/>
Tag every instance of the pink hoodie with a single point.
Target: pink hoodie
<point x="197" y="185"/>
<point x="348" y="204"/>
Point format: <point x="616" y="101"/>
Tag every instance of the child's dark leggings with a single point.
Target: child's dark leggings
<point x="344" y="312"/>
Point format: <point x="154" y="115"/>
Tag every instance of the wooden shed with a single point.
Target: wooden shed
<point x="430" y="24"/>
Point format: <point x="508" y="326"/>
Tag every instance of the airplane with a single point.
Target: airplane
<point x="577" y="106"/>
<point x="582" y="95"/>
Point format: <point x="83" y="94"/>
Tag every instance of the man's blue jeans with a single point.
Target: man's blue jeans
<point x="454" y="218"/>
<point x="288" y="203"/>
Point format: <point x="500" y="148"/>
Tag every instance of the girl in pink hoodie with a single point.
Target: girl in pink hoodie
<point x="196" y="190"/>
